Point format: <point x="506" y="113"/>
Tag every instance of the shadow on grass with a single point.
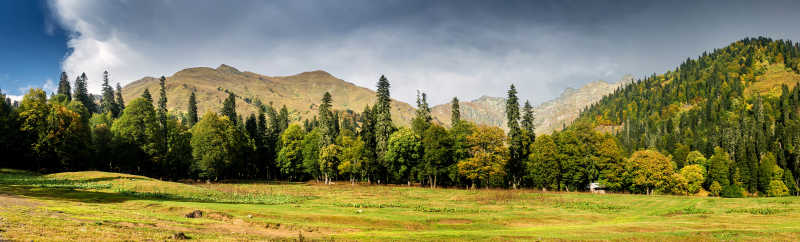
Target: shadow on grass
<point x="35" y="185"/>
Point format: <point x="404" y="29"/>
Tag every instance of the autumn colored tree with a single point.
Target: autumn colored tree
<point x="352" y="157"/>
<point x="649" y="170"/>
<point x="329" y="161"/>
<point x="488" y="156"/>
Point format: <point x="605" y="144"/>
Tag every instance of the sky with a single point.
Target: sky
<point x="444" y="48"/>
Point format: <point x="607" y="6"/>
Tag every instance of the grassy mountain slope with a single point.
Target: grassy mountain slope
<point x="300" y="93"/>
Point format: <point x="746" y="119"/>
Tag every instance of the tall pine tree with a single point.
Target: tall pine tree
<point x="455" y="112"/>
<point x="423" y="119"/>
<point x="161" y="114"/>
<point x="107" y="103"/>
<point x="146" y="95"/>
<point x="383" y="120"/>
<point x="327" y="121"/>
<point x="192" y="110"/>
<point x="82" y="94"/>
<point x="229" y="108"/>
<point x="120" y="103"/>
<point x="527" y="122"/>
<point x="64" y="87"/>
<point x="514" y="166"/>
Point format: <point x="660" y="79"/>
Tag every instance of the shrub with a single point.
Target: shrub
<point x="777" y="189"/>
<point x="715" y="189"/>
<point x="732" y="191"/>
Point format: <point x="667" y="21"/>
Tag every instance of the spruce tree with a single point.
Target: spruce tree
<point x="193" y="110"/>
<point x="107" y="103"/>
<point x="455" y="112"/>
<point x="283" y="118"/>
<point x="161" y="115"/>
<point x="327" y="121"/>
<point x="82" y="94"/>
<point x="514" y="166"/>
<point x="368" y="137"/>
<point x="64" y="87"/>
<point x="383" y="124"/>
<point x="423" y="119"/>
<point x="383" y="117"/>
<point x="527" y="122"/>
<point x="229" y="108"/>
<point x="120" y="103"/>
<point x="146" y="95"/>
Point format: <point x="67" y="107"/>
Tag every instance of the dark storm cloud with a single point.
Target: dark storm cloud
<point x="447" y="48"/>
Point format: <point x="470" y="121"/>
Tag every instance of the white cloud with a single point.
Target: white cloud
<point x="17" y="98"/>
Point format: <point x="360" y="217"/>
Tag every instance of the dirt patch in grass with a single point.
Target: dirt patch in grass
<point x="8" y="201"/>
<point x="454" y="221"/>
<point x="239" y="226"/>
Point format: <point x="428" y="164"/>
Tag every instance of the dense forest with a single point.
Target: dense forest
<point x="654" y="136"/>
<point x="737" y="105"/>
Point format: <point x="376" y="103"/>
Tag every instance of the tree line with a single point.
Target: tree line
<point x="658" y="145"/>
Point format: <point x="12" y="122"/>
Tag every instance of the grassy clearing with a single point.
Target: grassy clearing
<point x="112" y="206"/>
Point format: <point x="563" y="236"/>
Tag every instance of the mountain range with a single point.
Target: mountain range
<point x="301" y="93"/>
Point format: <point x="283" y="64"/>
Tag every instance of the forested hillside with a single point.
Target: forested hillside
<point x="738" y="105"/>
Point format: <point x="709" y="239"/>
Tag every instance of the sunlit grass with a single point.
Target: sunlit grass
<point x="112" y="206"/>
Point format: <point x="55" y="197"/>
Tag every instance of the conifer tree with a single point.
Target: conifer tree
<point x="229" y="108"/>
<point x="64" y="87"/>
<point x="514" y="166"/>
<point x="107" y="103"/>
<point x="383" y="122"/>
<point x="368" y="137"/>
<point x="455" y="113"/>
<point x="161" y="114"/>
<point x="527" y="122"/>
<point x="193" y="109"/>
<point x="327" y="128"/>
<point x="120" y="103"/>
<point x="284" y="118"/>
<point x="146" y="95"/>
<point x="423" y="119"/>
<point x="82" y="94"/>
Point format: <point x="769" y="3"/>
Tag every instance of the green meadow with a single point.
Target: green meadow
<point x="112" y="206"/>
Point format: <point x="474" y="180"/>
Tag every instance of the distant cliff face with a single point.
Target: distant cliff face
<point x="550" y="116"/>
<point x="555" y="114"/>
<point x="484" y="110"/>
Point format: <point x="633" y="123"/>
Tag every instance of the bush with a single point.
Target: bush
<point x="777" y="189"/>
<point x="732" y="191"/>
<point x="715" y="189"/>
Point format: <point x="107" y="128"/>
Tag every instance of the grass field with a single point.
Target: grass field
<point x="111" y="206"/>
